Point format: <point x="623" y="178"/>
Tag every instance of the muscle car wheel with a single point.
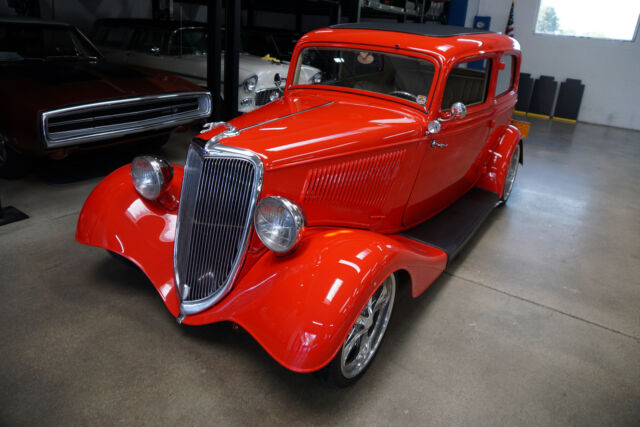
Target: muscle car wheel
<point x="511" y="174"/>
<point x="363" y="340"/>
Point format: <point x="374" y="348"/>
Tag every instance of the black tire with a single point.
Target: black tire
<point x="122" y="259"/>
<point x="13" y="165"/>
<point x="351" y="363"/>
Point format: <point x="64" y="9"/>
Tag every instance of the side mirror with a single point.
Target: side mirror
<point x="458" y="111"/>
<point x="155" y="51"/>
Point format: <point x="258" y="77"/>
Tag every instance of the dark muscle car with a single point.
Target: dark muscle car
<point x="58" y="94"/>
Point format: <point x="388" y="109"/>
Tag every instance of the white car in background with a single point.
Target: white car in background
<point x="180" y="48"/>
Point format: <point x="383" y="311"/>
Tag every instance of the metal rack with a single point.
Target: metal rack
<point x="401" y="10"/>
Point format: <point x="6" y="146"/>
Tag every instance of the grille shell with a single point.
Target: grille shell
<point x="219" y="192"/>
<point x="262" y="96"/>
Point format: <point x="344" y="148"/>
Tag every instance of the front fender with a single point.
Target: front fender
<point x="493" y="179"/>
<point x="116" y="218"/>
<point x="300" y="307"/>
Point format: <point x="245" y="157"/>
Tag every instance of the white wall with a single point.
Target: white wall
<point x="610" y="70"/>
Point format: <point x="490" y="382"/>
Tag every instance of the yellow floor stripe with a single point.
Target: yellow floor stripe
<point x="540" y="116"/>
<point x="522" y="113"/>
<point x="562" y="119"/>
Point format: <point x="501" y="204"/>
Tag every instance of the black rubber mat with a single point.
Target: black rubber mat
<point x="544" y="93"/>
<point x="569" y="99"/>
<point x="525" y="90"/>
<point x="453" y="227"/>
<point x="9" y="214"/>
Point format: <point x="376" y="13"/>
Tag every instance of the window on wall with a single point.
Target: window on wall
<point x="613" y="19"/>
<point x="505" y="76"/>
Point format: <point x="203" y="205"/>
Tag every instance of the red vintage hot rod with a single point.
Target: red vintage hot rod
<point x="299" y="221"/>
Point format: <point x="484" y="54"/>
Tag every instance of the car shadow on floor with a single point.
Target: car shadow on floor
<point x="318" y="397"/>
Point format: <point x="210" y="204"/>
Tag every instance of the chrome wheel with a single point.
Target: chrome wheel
<point x="511" y="174"/>
<point x="365" y="336"/>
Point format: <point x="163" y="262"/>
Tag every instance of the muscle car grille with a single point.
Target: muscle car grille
<point x="262" y="96"/>
<point x="111" y="119"/>
<point x="219" y="191"/>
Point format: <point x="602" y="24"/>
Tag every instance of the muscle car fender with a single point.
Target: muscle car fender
<point x="493" y="178"/>
<point x="300" y="307"/>
<point x="116" y="218"/>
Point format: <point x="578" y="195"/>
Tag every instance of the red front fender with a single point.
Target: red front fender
<point x="299" y="307"/>
<point x="116" y="218"/>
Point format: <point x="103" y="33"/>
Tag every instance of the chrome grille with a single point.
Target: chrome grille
<point x="263" y="96"/>
<point x="219" y="191"/>
<point x="114" y="118"/>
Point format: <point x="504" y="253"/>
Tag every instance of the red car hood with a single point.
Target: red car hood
<point x="306" y="126"/>
<point x="43" y="85"/>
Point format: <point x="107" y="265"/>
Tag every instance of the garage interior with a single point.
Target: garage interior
<point x="537" y="322"/>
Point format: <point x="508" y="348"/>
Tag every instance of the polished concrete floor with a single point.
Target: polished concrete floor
<point x="536" y="323"/>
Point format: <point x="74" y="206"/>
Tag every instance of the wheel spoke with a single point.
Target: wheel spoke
<point x="383" y="298"/>
<point x="353" y="340"/>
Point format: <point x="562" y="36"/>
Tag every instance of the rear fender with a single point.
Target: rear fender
<point x="493" y="179"/>
<point x="116" y="218"/>
<point x="300" y="307"/>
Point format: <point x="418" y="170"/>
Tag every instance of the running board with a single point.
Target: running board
<point x="452" y="228"/>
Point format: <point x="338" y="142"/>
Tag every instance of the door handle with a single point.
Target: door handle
<point x="436" y="144"/>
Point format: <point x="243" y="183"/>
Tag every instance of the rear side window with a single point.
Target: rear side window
<point x="468" y="83"/>
<point x="505" y="76"/>
<point x="149" y="38"/>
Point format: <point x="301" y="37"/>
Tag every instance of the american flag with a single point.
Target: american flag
<point x="509" y="30"/>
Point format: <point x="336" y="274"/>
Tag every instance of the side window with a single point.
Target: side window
<point x="505" y="76"/>
<point x="468" y="83"/>
<point x="148" y="38"/>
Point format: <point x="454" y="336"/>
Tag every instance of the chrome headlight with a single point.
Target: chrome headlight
<point x="250" y="83"/>
<point x="150" y="175"/>
<point x="317" y="78"/>
<point x="278" y="223"/>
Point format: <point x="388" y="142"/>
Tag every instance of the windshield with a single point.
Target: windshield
<point x="28" y="41"/>
<point x="189" y="41"/>
<point x="397" y="75"/>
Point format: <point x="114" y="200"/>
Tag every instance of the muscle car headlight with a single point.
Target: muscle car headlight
<point x="278" y="223"/>
<point x="151" y="175"/>
<point x="250" y="83"/>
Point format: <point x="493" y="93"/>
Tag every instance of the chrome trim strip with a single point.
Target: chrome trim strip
<point x="288" y="115"/>
<point x="233" y="131"/>
<point x="83" y="136"/>
<point x="221" y="151"/>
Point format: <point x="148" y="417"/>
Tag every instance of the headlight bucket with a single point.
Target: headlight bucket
<point x="250" y="83"/>
<point x="151" y="175"/>
<point x="278" y="223"/>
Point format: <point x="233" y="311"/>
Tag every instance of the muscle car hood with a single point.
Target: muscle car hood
<point x="38" y="85"/>
<point x="298" y="129"/>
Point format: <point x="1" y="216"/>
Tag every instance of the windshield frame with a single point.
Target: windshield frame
<point x="74" y="33"/>
<point x="420" y="55"/>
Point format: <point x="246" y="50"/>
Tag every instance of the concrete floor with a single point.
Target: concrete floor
<point x="536" y="323"/>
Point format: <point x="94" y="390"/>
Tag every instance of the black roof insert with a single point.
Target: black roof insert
<point x="427" y="29"/>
